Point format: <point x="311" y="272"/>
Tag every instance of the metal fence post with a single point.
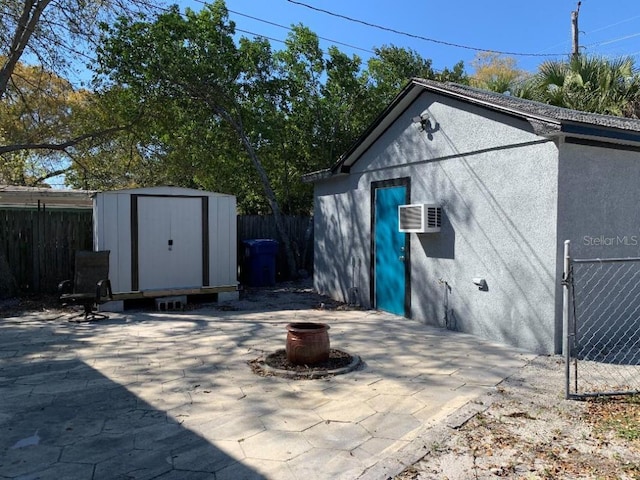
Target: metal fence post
<point x="565" y="318"/>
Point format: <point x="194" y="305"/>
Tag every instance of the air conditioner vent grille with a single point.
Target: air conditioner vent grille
<point x="411" y="218"/>
<point x="434" y="215"/>
<point x="419" y="218"/>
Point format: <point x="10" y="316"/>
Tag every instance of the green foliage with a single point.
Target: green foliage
<point x="456" y="74"/>
<point x="205" y="108"/>
<point x="590" y="84"/>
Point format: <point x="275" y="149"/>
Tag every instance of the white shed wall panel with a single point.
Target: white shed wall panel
<point x="168" y="232"/>
<point x="111" y="232"/>
<point x="223" y="240"/>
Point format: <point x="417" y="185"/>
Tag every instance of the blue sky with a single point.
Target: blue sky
<point x="608" y="27"/>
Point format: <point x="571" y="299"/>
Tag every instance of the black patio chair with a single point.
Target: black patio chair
<point x="90" y="286"/>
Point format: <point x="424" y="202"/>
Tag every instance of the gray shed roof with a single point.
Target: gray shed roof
<point x="28" y="197"/>
<point x="547" y="120"/>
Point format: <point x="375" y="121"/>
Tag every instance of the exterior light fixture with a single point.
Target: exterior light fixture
<point x="424" y="120"/>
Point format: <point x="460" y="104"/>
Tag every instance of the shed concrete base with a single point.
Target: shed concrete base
<point x="176" y="302"/>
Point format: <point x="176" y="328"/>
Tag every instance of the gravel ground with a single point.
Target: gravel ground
<point x="525" y="429"/>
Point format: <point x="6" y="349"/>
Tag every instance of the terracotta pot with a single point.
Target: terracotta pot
<point x="307" y="343"/>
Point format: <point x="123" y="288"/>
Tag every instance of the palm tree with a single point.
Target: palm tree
<point x="590" y="84"/>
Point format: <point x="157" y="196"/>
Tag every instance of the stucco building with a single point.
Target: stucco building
<point x="511" y="180"/>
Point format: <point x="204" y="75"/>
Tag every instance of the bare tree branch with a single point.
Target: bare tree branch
<point x="26" y="25"/>
<point x="63" y="145"/>
<point x="48" y="175"/>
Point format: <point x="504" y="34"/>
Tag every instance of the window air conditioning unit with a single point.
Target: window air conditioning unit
<point x="419" y="218"/>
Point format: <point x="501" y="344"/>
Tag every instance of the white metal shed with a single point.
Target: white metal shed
<point x="167" y="240"/>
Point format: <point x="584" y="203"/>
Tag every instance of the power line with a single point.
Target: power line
<point x="260" y="35"/>
<point x="614" y="24"/>
<point x="290" y="29"/>
<point x="203" y="2"/>
<point x="159" y="8"/>
<point x="615" y="40"/>
<point x="426" y="39"/>
<point x="596" y="44"/>
<point x="337" y="42"/>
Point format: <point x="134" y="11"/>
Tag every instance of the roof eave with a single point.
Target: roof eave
<point x="548" y="121"/>
<point x="317" y="176"/>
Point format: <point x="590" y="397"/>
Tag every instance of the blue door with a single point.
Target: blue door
<point x="390" y="245"/>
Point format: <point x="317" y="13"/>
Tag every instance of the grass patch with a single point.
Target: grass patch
<point x="617" y="415"/>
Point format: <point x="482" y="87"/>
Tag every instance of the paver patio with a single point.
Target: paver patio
<point x="170" y="395"/>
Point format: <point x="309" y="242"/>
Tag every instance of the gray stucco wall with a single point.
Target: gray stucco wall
<point x="599" y="202"/>
<point x="598" y="211"/>
<point x="497" y="184"/>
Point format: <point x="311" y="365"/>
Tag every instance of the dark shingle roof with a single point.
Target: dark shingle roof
<point x="529" y="107"/>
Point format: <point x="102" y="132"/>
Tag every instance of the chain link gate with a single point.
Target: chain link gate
<point x="601" y="326"/>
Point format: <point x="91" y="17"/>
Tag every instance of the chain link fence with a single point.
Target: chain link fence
<point x="602" y="326"/>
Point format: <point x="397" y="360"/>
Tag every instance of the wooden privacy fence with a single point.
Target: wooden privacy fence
<point x="298" y="228"/>
<point x="37" y="245"/>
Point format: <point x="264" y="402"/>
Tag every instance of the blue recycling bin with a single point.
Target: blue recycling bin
<point x="260" y="262"/>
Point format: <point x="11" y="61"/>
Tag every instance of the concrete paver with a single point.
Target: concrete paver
<point x="340" y="409"/>
<point x="275" y="445"/>
<point x="291" y="420"/>
<point x="336" y="436"/>
<point x="170" y="395"/>
<point x="326" y="463"/>
<point x="395" y="426"/>
<point x="395" y="403"/>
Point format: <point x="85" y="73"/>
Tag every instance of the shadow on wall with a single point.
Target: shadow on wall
<point x="342" y="247"/>
<point x="441" y="244"/>
<point x="489" y="224"/>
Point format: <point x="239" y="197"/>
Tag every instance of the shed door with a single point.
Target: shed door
<point x="390" y="251"/>
<point x="169" y="242"/>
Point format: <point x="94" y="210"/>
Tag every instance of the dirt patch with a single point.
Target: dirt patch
<point x="526" y="429"/>
<point x="294" y="295"/>
<point x="337" y="359"/>
<point x="13" y="307"/>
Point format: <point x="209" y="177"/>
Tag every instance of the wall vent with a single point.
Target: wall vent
<point x="419" y="218"/>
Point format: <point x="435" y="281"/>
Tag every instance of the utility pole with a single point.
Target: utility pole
<point x="575" y="32"/>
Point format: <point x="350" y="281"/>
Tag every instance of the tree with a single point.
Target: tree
<point x="389" y="71"/>
<point x="52" y="36"/>
<point x="590" y="84"/>
<point x="302" y="108"/>
<point x="495" y="72"/>
<point x="348" y="108"/>
<point x="192" y="62"/>
<point x="37" y="110"/>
